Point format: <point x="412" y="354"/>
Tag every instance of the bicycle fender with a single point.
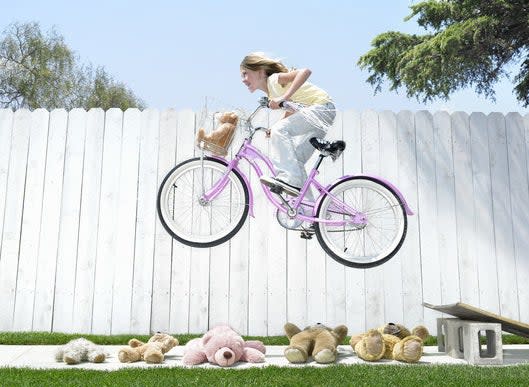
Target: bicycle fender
<point x="378" y="180"/>
<point x="246" y="181"/>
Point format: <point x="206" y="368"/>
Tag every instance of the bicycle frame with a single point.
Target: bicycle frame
<point x="251" y="154"/>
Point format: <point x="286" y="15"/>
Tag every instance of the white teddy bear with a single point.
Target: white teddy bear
<point x="79" y="350"/>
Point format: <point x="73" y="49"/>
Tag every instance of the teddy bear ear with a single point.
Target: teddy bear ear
<point x="207" y="337"/>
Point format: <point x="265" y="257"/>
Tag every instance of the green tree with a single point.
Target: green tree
<point x="467" y="43"/>
<point x="40" y="71"/>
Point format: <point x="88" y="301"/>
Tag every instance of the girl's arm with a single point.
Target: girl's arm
<point x="296" y="78"/>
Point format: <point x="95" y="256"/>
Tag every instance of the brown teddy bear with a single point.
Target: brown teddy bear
<point x="317" y="341"/>
<point x="218" y="141"/>
<point x="151" y="352"/>
<point x="391" y="341"/>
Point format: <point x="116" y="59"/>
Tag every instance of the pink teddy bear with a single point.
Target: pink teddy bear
<point x="223" y="346"/>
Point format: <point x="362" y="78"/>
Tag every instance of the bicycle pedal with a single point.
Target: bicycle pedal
<point x="306" y="235"/>
<point x="276" y="189"/>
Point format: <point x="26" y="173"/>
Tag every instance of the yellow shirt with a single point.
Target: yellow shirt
<point x="307" y="94"/>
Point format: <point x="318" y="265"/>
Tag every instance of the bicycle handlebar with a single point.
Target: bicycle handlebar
<point x="286" y="105"/>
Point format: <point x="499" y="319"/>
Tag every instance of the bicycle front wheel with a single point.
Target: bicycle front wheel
<point x="187" y="217"/>
<point x="368" y="244"/>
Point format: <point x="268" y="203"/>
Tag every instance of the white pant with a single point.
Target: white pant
<point x="290" y="137"/>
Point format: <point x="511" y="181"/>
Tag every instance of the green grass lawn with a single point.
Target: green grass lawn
<point x="355" y="375"/>
<point x="338" y="375"/>
<point x="45" y="338"/>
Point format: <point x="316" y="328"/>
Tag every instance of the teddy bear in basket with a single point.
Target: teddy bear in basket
<point x="218" y="141"/>
<point x="392" y="342"/>
<point x="224" y="347"/>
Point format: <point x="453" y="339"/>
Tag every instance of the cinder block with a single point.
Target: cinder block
<point x="474" y="353"/>
<point x="441" y="333"/>
<point x="461" y="339"/>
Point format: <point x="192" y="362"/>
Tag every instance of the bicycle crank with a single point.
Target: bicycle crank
<point x="289" y="220"/>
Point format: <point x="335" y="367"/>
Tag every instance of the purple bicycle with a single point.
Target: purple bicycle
<point x="359" y="220"/>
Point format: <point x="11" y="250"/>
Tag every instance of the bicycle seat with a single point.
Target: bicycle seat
<point x="327" y="148"/>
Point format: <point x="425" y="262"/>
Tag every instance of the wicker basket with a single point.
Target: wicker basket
<point x="219" y="140"/>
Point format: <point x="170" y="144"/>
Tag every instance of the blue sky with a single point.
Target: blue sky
<point x="174" y="54"/>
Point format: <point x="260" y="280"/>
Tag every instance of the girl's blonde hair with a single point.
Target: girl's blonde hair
<point x="259" y="61"/>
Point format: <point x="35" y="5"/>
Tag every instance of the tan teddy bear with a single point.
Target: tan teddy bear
<point x="219" y="139"/>
<point x="391" y="341"/>
<point x="151" y="352"/>
<point x="317" y="341"/>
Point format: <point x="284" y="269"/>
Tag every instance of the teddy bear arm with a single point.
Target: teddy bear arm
<point x="134" y="343"/>
<point x="256" y="344"/>
<point x="194" y="357"/>
<point x="59" y="354"/>
<point x="252" y="355"/>
<point x="153" y="354"/>
<point x="355" y="339"/>
<point x="129" y="355"/>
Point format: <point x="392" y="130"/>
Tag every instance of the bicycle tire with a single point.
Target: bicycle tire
<point x="193" y="223"/>
<point x="356" y="248"/>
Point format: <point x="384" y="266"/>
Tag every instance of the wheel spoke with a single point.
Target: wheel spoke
<point x="369" y="244"/>
<point x="196" y="223"/>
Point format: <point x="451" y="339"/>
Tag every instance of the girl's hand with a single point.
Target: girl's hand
<point x="274" y="103"/>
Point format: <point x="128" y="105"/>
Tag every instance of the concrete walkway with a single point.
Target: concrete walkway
<point x="42" y="356"/>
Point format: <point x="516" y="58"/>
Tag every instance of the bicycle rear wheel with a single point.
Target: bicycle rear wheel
<point x="362" y="245"/>
<point x="193" y="222"/>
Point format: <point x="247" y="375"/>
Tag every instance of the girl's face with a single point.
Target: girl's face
<point x="254" y="79"/>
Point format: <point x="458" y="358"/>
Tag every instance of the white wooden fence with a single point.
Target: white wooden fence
<point x="82" y="249"/>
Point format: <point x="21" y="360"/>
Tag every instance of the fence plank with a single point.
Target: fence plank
<point x="219" y="279"/>
<point x="446" y="226"/>
<point x="336" y="312"/>
<point x="180" y="282"/>
<point x="126" y="223"/>
<point x="427" y="213"/>
<point x="519" y="194"/>
<point x="69" y="225"/>
<point x="484" y="222"/>
<point x="6" y="129"/>
<point x="465" y="219"/>
<point x="108" y="213"/>
<point x="374" y="277"/>
<point x="161" y="282"/>
<point x="524" y="312"/>
<point x="393" y="270"/>
<point x="277" y="263"/>
<point x="31" y="221"/>
<point x="50" y="222"/>
<point x="260" y="251"/>
<point x="503" y="233"/>
<point x="354" y="278"/>
<point x="89" y="221"/>
<point x="145" y="224"/>
<point x="9" y="255"/>
<point x="410" y="251"/>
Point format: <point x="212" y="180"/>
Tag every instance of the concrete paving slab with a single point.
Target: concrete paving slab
<point x="42" y="357"/>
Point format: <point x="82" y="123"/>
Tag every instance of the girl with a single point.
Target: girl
<point x="290" y="136"/>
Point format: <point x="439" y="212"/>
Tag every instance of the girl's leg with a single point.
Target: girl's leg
<point x="290" y="137"/>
